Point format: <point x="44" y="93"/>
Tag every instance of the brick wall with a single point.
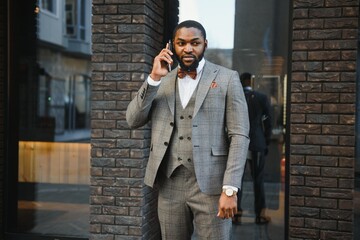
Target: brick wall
<point x="322" y="130"/>
<point x="126" y="36"/>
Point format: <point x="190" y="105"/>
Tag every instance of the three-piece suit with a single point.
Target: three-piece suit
<point x="208" y="139"/>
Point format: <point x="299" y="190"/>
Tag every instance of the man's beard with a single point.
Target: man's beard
<point x="193" y="66"/>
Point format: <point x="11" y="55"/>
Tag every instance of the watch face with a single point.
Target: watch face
<point x="229" y="192"/>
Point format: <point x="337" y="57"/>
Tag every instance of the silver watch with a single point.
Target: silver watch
<point x="229" y="192"/>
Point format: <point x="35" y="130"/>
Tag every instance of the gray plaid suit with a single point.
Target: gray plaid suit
<point x="220" y="126"/>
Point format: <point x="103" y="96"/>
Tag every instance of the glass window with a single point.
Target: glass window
<point x="70" y="9"/>
<point x="252" y="36"/>
<point x="75" y="18"/>
<point x="48" y="5"/>
<point x="50" y="108"/>
<point x="82" y="20"/>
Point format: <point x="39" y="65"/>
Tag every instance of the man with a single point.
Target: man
<point x="199" y="137"/>
<point x="260" y="135"/>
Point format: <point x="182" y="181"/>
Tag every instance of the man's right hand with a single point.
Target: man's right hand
<point x="160" y="65"/>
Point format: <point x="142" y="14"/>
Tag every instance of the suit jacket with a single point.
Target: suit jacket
<point x="220" y="126"/>
<point x="260" y="120"/>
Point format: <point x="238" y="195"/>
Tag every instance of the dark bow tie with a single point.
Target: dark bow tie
<point x="190" y="73"/>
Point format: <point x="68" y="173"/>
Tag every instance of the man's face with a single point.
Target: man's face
<point x="189" y="46"/>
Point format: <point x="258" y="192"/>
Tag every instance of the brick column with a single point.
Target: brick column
<point x="322" y="131"/>
<point x="126" y="37"/>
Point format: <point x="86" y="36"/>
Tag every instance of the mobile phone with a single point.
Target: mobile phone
<point x="169" y="47"/>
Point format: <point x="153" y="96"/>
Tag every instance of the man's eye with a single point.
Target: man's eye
<point x="195" y="43"/>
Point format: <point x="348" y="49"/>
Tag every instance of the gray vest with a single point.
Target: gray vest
<point x="180" y="151"/>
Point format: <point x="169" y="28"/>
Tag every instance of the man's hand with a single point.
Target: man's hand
<point x="227" y="206"/>
<point x="161" y="62"/>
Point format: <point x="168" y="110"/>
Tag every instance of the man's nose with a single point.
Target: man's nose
<point x="188" y="48"/>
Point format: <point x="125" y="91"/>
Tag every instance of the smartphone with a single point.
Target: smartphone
<point x="169" y="47"/>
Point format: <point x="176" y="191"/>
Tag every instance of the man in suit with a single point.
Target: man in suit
<point x="260" y="135"/>
<point x="199" y="121"/>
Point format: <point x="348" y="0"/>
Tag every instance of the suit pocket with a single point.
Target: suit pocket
<point x="219" y="151"/>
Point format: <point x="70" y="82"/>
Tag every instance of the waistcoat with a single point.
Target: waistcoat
<point x="180" y="151"/>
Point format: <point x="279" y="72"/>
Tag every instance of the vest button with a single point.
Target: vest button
<point x="179" y="158"/>
<point x="190" y="117"/>
<point x="181" y="137"/>
<point x="181" y="117"/>
<point x="189" y="138"/>
<point x="189" y="160"/>
<point x="166" y="143"/>
<point x="171" y="124"/>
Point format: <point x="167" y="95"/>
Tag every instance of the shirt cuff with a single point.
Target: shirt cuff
<point x="232" y="187"/>
<point x="152" y="82"/>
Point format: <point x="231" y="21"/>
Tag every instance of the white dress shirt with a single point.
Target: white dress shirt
<point x="186" y="85"/>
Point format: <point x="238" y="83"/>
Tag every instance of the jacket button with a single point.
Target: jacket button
<point x="171" y="124"/>
<point x="189" y="138"/>
<point x="189" y="160"/>
<point x="190" y="117"/>
<point x="179" y="158"/>
<point x="181" y="117"/>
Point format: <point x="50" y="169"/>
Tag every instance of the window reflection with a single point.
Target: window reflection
<point x="75" y="19"/>
<point x="48" y="5"/>
<point x="51" y="83"/>
<point x="63" y="107"/>
<point x="252" y="36"/>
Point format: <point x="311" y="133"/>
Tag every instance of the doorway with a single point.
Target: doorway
<point x="251" y="36"/>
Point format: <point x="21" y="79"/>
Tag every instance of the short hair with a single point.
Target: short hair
<point x="245" y="76"/>
<point x="190" y="24"/>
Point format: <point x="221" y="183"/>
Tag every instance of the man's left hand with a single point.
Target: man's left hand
<point x="227" y="206"/>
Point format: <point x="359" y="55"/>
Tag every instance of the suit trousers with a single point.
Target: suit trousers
<point x="186" y="213"/>
<point x="257" y="164"/>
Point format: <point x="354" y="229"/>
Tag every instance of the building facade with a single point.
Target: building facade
<point x="321" y="135"/>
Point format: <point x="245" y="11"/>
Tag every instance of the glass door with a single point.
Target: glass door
<point x="252" y="36"/>
<point x="48" y="114"/>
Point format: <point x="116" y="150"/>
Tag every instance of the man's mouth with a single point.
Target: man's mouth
<point x="188" y="61"/>
<point x="188" y="58"/>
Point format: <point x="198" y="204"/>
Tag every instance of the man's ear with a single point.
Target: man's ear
<point x="206" y="43"/>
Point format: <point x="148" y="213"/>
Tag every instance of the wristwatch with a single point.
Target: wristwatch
<point x="229" y="192"/>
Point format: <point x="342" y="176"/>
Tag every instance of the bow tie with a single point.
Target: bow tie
<point x="191" y="73"/>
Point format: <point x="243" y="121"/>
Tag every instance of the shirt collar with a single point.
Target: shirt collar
<point x="201" y="65"/>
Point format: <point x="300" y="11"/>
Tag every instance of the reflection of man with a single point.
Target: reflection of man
<point x="199" y="139"/>
<point x="260" y="133"/>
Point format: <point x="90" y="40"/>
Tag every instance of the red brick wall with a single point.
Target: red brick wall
<point x="322" y="119"/>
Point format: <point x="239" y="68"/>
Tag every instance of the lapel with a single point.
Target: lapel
<point x="169" y="87"/>
<point x="209" y="74"/>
